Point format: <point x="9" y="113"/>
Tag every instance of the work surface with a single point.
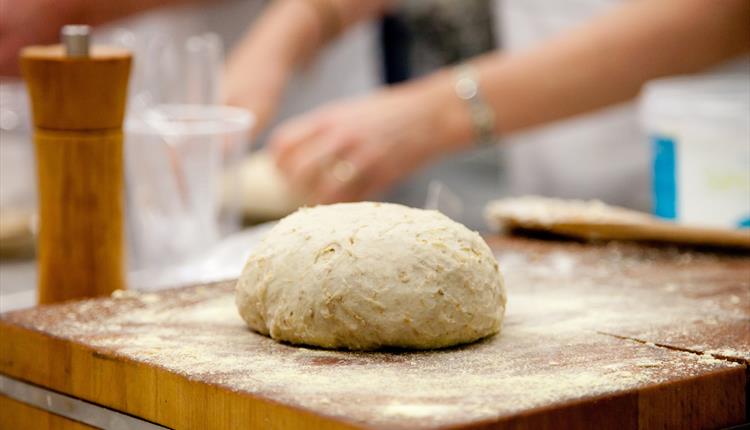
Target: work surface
<point x="599" y="335"/>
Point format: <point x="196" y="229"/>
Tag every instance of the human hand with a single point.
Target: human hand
<point x="30" y="22"/>
<point x="355" y="149"/>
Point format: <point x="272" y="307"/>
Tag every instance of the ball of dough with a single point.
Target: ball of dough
<point x="260" y="189"/>
<point x="364" y="276"/>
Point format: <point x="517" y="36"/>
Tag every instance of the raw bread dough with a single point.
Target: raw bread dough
<point x="368" y="275"/>
<point x="260" y="189"/>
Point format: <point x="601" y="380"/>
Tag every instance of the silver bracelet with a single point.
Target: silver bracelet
<point x="482" y="115"/>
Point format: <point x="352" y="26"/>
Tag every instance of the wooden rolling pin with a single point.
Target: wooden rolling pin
<point x="78" y="102"/>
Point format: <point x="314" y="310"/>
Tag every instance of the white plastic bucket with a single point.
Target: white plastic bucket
<point x="699" y="128"/>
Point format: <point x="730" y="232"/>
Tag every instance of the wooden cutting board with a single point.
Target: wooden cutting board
<point x="594" y="220"/>
<point x="596" y="336"/>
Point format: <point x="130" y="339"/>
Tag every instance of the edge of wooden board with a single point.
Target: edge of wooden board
<point x="647" y="408"/>
<point x="170" y="399"/>
<point x="161" y="396"/>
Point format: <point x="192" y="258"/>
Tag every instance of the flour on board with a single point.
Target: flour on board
<point x="554" y="347"/>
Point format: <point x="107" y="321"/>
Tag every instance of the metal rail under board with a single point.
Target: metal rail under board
<point x="71" y="407"/>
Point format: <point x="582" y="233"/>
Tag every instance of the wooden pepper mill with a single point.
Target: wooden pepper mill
<point x="78" y="103"/>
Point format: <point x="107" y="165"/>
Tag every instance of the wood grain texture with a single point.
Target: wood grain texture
<point x="78" y="106"/>
<point x="141" y="390"/>
<point x="20" y="416"/>
<point x="81" y="240"/>
<point x="594" y="220"/>
<point x="85" y="93"/>
<point x="657" y="231"/>
<point x="184" y="359"/>
<point x="707" y="291"/>
<point x="664" y="406"/>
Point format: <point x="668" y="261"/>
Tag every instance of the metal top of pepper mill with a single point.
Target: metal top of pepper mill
<point x="75" y="39"/>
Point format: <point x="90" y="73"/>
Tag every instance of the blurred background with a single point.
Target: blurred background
<point x="197" y="175"/>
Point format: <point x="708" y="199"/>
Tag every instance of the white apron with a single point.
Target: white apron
<point x="602" y="155"/>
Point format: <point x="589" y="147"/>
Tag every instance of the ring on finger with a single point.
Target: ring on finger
<point x="344" y="171"/>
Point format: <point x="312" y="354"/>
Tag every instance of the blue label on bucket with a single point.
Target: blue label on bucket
<point x="665" y="177"/>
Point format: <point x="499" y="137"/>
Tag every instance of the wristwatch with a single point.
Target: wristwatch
<point x="482" y="115"/>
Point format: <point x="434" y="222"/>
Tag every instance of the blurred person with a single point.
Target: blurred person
<point x="564" y="60"/>
<point x="29" y="22"/>
<point x="433" y="33"/>
<point x="286" y="38"/>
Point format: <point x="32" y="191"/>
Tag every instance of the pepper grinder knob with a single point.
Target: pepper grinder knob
<point x="75" y="39"/>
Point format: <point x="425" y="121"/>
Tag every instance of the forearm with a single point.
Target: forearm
<point x="290" y="32"/>
<point x="355" y="11"/>
<point x="96" y="12"/>
<point x="258" y="69"/>
<point x="601" y="63"/>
